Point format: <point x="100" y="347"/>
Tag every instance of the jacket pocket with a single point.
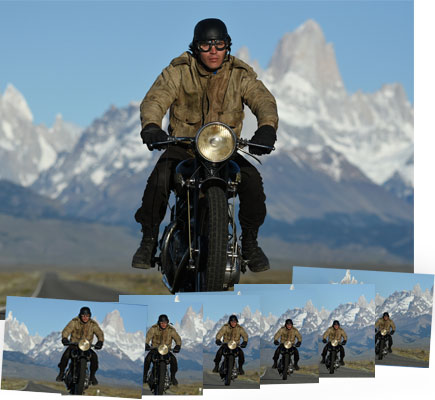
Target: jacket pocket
<point x="232" y="118"/>
<point x="186" y="115"/>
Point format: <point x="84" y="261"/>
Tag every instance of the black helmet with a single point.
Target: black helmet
<point x="85" y="311"/>
<point x="336" y="323"/>
<point x="163" y="318"/>
<point x="209" y="29"/>
<point x="233" y="318"/>
<point x="288" y="321"/>
<point x="386" y="315"/>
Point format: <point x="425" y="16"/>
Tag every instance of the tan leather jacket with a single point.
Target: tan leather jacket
<point x="288" y="334"/>
<point x="228" y="333"/>
<point x="332" y="334"/>
<point x="79" y="330"/>
<point x="389" y="325"/>
<point x="159" y="336"/>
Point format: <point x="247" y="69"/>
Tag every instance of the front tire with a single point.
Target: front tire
<point x="230" y="366"/>
<point x="381" y="350"/>
<point x="80" y="385"/>
<point x="160" y="387"/>
<point x="333" y="356"/>
<point x="214" y="239"/>
<point x="285" y="363"/>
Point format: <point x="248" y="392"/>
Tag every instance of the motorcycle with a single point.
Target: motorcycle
<point x="158" y="378"/>
<point x="332" y="362"/>
<point x="228" y="370"/>
<point x="199" y="250"/>
<point x="285" y="364"/>
<point x="77" y="374"/>
<point x="381" y="348"/>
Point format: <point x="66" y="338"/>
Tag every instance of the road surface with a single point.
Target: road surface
<point x="271" y="376"/>
<point x="394" y="359"/>
<point x="344" y="372"/>
<point x="214" y="381"/>
<point x="34" y="387"/>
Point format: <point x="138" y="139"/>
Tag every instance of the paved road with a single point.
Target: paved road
<point x="34" y="387"/>
<point x="53" y="287"/>
<point x="271" y="376"/>
<point x="214" y="381"/>
<point x="344" y="372"/>
<point x="394" y="359"/>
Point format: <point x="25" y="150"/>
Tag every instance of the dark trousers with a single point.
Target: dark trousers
<point x="341" y="350"/>
<point x="67" y="354"/>
<point x="220" y="352"/>
<point x="295" y="354"/>
<point x="252" y="211"/>
<point x="173" y="364"/>
<point x="389" y="339"/>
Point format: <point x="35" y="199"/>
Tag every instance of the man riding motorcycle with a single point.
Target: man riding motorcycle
<point x="385" y="323"/>
<point x="162" y="333"/>
<point x="287" y="333"/>
<point x="231" y="331"/>
<point x="334" y="332"/>
<point x="81" y="327"/>
<point x="204" y="85"/>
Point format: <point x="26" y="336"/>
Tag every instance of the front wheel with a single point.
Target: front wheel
<point x="381" y="350"/>
<point x="285" y="366"/>
<point x="214" y="239"/>
<point x="333" y="356"/>
<point x="80" y="385"/>
<point x="230" y="366"/>
<point x="160" y="385"/>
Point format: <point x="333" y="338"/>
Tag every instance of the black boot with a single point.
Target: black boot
<point x="296" y="366"/>
<point x="59" y="378"/>
<point x="241" y="372"/>
<point x="93" y="380"/>
<point x="252" y="253"/>
<point x="216" y="367"/>
<point x="275" y="364"/>
<point x="341" y="362"/>
<point x="323" y="360"/>
<point x="145" y="253"/>
<point x="389" y="349"/>
<point x="174" y="382"/>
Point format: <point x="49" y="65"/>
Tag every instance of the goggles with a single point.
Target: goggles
<point x="205" y="46"/>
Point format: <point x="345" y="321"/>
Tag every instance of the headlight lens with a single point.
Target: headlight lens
<point x="334" y="342"/>
<point x="84" y="345"/>
<point x="215" y="142"/>
<point x="383" y="332"/>
<point x="232" y="344"/>
<point x="288" y="344"/>
<point x="163" y="349"/>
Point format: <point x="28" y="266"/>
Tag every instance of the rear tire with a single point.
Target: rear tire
<point x="230" y="366"/>
<point x="214" y="239"/>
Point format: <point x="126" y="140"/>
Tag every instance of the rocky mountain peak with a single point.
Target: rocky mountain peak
<point x="305" y="52"/>
<point x="114" y="320"/>
<point x="12" y="98"/>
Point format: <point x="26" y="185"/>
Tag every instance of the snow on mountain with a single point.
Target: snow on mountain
<point x="17" y="336"/>
<point x="191" y="328"/>
<point x="349" y="279"/>
<point x="374" y="131"/>
<point x="27" y="149"/>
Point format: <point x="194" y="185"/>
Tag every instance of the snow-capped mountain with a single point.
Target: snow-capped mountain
<point x="191" y="329"/>
<point x="27" y="149"/>
<point x="17" y="337"/>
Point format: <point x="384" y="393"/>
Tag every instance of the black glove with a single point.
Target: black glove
<point x="264" y="135"/>
<point x="376" y="331"/>
<point x="343" y="343"/>
<point x="218" y="342"/>
<point x="276" y="342"/>
<point x="324" y="340"/>
<point x="177" y="349"/>
<point x="244" y="344"/>
<point x="152" y="133"/>
<point x="99" y="345"/>
<point x="65" y="341"/>
<point x="147" y="347"/>
<point x="298" y="344"/>
<point x="392" y="332"/>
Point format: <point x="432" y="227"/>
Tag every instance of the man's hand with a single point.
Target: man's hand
<point x="264" y="135"/>
<point x="147" y="347"/>
<point x="218" y="342"/>
<point x="324" y="340"/>
<point x="298" y="344"/>
<point x="177" y="349"/>
<point x="244" y="344"/>
<point x="99" y="345"/>
<point x="343" y="343"/>
<point x="65" y="341"/>
<point x="276" y="342"/>
<point x="151" y="134"/>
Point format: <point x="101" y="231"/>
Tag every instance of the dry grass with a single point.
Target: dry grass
<point x="271" y="276"/>
<point x="110" y="391"/>
<point x="308" y="370"/>
<point x="363" y="365"/>
<point x="13" y="384"/>
<point x="191" y="389"/>
<point x="415" y="354"/>
<point x="22" y="283"/>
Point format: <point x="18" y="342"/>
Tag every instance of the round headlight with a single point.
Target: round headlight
<point x="383" y="332"/>
<point x="84" y="345"/>
<point x="232" y="344"/>
<point x="215" y="142"/>
<point x="334" y="342"/>
<point x="163" y="349"/>
<point x="288" y="344"/>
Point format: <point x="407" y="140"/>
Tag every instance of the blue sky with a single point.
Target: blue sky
<point x="44" y="316"/>
<point x="386" y="282"/>
<point x="78" y="58"/>
<point x="328" y="296"/>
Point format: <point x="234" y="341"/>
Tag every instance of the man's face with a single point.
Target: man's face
<point x="289" y="326"/>
<point x="385" y="317"/>
<point x="163" y="324"/>
<point x="233" y="324"/>
<point x="336" y="326"/>
<point x="214" y="58"/>
<point x="84" y="318"/>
